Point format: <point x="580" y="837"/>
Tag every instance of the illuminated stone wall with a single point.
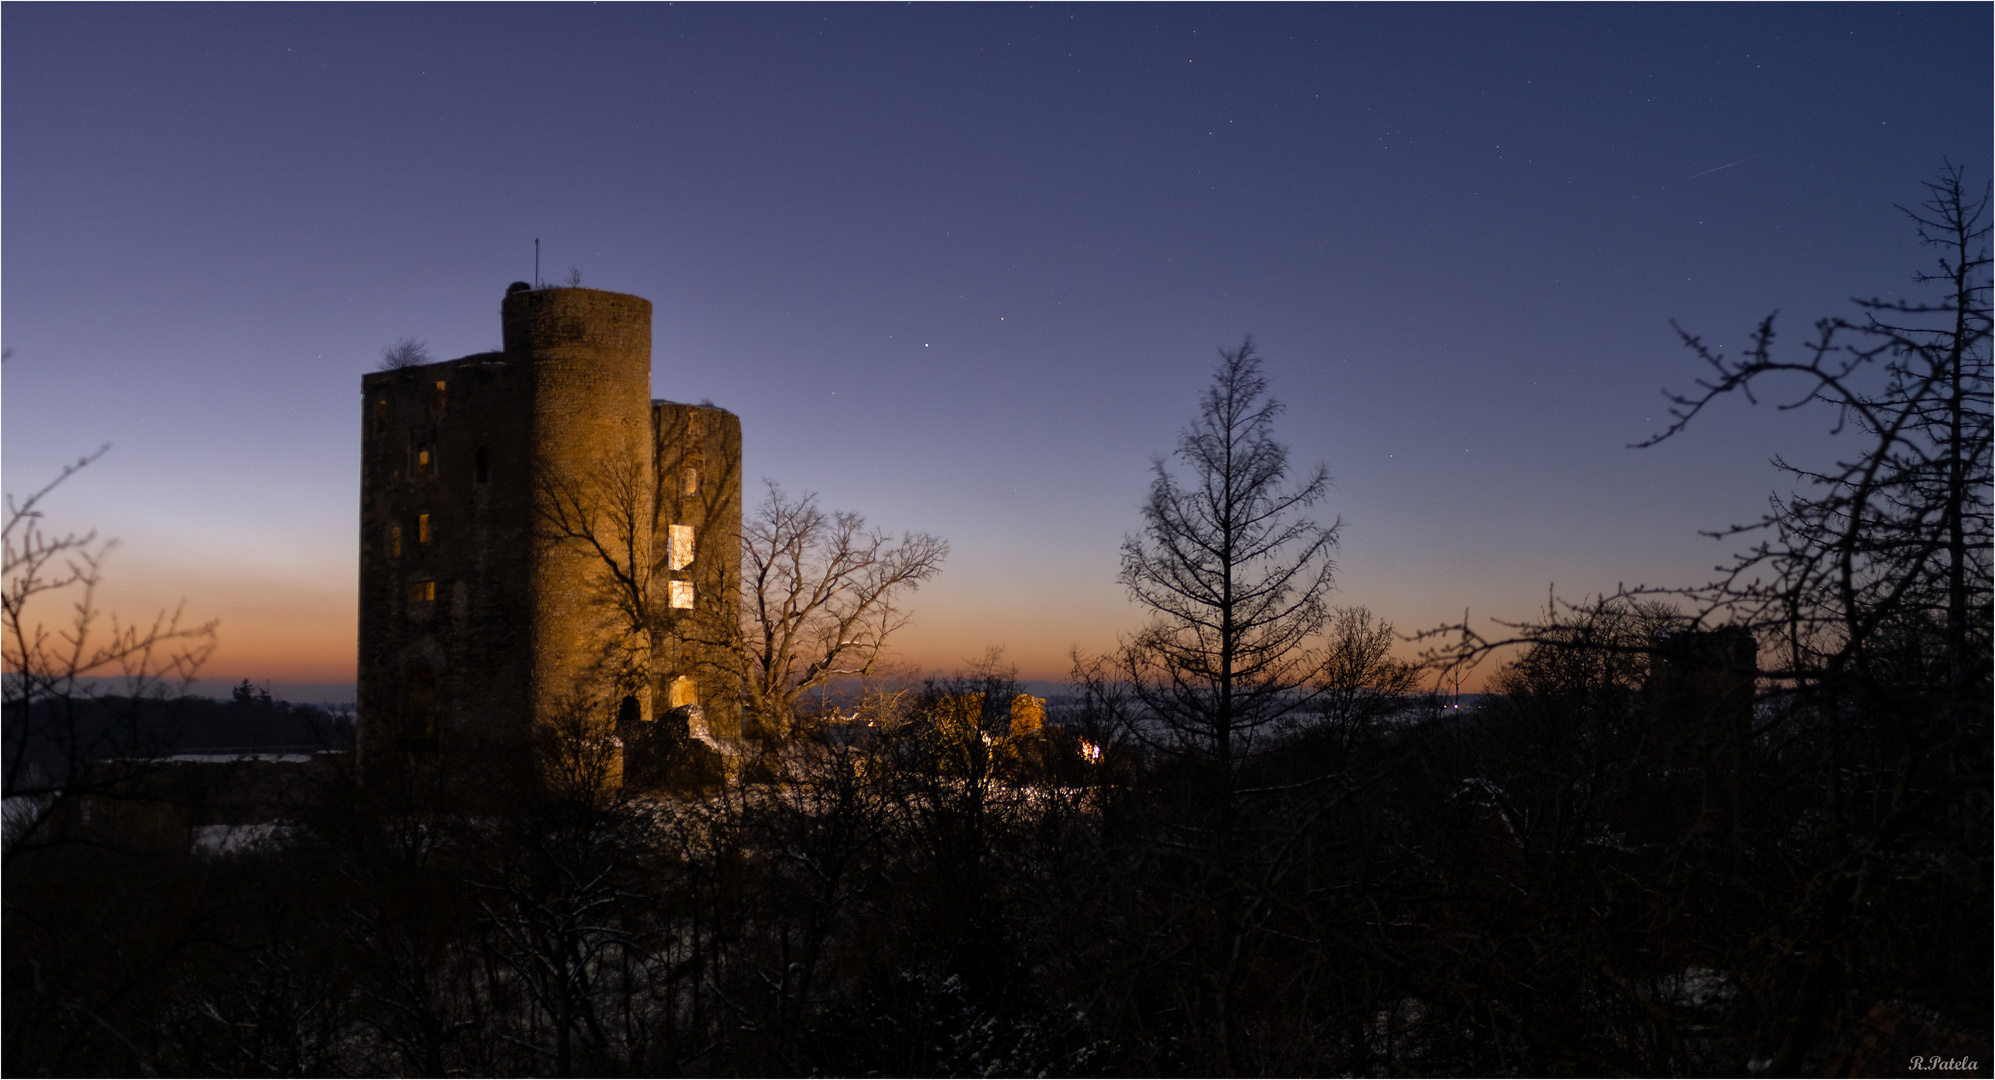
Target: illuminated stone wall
<point x="588" y="354"/>
<point x="478" y="626"/>
<point x="698" y="467"/>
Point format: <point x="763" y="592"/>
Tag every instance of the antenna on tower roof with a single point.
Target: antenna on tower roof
<point x="536" y="262"/>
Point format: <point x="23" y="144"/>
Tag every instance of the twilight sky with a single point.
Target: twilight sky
<point x="962" y="268"/>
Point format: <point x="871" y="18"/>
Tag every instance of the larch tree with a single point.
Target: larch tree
<point x="1235" y="572"/>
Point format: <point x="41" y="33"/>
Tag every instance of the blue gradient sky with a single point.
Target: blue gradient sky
<point x="962" y="268"/>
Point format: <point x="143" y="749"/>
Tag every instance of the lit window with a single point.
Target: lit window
<point x="394" y="541"/>
<point x="422" y="592"/>
<point x="682" y="594"/>
<point x="679" y="547"/>
<point x="689" y="483"/>
<point x="439" y="395"/>
<point x="381" y="415"/>
<point x="422" y="528"/>
<point x="422" y="461"/>
<point x="684" y="692"/>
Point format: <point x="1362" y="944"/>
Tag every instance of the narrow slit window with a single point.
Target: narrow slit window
<point x="440" y="384"/>
<point x="682" y="595"/>
<point x="394" y="541"/>
<point x="678" y="546"/>
<point x="482" y="465"/>
<point x="422" y="461"/>
<point x="419" y="709"/>
<point x="380" y="415"/>
<point x="422" y="592"/>
<point x="689" y="482"/>
<point x="422" y="529"/>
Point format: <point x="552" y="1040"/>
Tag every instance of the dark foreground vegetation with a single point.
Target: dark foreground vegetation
<point x="1586" y="875"/>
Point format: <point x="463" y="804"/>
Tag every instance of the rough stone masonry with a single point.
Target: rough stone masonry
<point x="540" y="540"/>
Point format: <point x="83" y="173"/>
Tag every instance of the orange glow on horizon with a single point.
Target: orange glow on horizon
<point x="301" y="627"/>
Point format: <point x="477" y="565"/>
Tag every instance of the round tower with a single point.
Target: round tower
<point x="587" y="354"/>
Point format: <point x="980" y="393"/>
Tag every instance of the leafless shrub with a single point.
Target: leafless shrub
<point x="66" y="737"/>
<point x="405" y="353"/>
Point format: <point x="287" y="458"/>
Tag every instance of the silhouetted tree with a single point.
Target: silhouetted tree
<point x="406" y="352"/>
<point x="1235" y="575"/>
<point x="76" y="689"/>
<point x="1896" y="535"/>
<point x="604" y="516"/>
<point x="248" y="695"/>
<point x="1871" y="581"/>
<point x="1838" y="804"/>
<point x="1360" y="681"/>
<point x="1234" y="572"/>
<point x="820" y="598"/>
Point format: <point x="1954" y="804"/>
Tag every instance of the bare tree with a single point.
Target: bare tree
<point x="1360" y="680"/>
<point x="1901" y="528"/>
<point x="407" y="352"/>
<point x="605" y="516"/>
<point x="1235" y="574"/>
<point x="820" y="601"/>
<point x="75" y="689"/>
<point x="1873" y="577"/>
<point x="821" y="598"/>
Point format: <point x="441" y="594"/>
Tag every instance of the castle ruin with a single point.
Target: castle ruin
<point x="541" y="542"/>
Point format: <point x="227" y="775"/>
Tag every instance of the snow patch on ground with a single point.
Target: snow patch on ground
<point x="225" y="841"/>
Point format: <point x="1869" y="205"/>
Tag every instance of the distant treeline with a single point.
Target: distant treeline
<point x="87" y="727"/>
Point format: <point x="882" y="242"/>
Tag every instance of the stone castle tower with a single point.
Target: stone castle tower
<point x="540" y="541"/>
